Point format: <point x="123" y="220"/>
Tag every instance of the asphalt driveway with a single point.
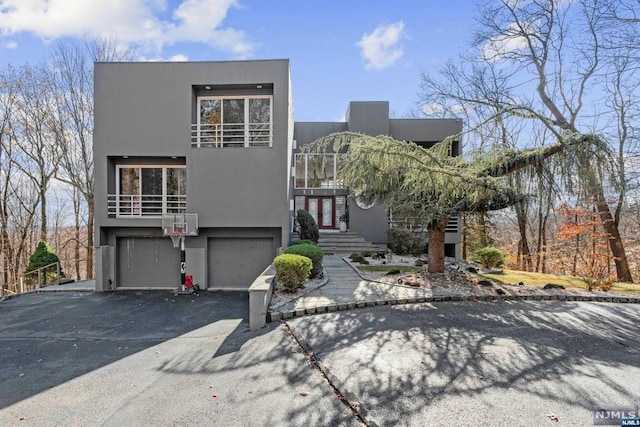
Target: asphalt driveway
<point x="148" y="358"/>
<point x="479" y="363"/>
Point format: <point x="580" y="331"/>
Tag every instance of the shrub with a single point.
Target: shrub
<point x="403" y="242"/>
<point x="303" y="242"/>
<point x="313" y="252"/>
<point x="43" y="256"/>
<point x="308" y="227"/>
<point x="356" y="257"/>
<point x="488" y="257"/>
<point x="292" y="270"/>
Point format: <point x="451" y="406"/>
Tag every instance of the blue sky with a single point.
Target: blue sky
<point x="339" y="50"/>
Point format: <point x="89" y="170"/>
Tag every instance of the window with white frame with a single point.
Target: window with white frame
<point x="317" y="171"/>
<point x="149" y="190"/>
<point x="233" y="122"/>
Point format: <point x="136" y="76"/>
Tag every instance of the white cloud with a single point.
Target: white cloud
<point x="380" y="48"/>
<point x="512" y="41"/>
<point x="441" y="110"/>
<point x="10" y="45"/>
<point x="130" y="21"/>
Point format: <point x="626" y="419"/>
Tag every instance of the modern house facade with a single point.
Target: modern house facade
<point x="217" y="140"/>
<point x="206" y="138"/>
<point x="318" y="189"/>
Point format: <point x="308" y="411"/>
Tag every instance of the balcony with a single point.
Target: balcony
<point x="244" y="135"/>
<point x="414" y="224"/>
<point x="144" y="206"/>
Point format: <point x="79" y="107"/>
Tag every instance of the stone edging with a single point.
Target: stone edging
<point x="286" y="315"/>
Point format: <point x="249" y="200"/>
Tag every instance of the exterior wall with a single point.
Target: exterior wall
<point x="143" y="115"/>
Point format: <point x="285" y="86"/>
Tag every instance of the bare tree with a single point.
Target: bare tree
<point x="72" y="65"/>
<point x="36" y="132"/>
<point x="559" y="51"/>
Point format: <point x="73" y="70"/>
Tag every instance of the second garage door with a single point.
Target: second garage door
<point x="147" y="262"/>
<point x="234" y="263"/>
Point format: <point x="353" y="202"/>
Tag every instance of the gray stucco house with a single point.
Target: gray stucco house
<point x="217" y="139"/>
<point x="318" y="190"/>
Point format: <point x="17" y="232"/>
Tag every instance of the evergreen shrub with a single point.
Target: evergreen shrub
<point x="313" y="252"/>
<point x="308" y="227"/>
<point x="403" y="242"/>
<point x="488" y="257"/>
<point x="303" y="242"/>
<point x="41" y="257"/>
<point x="292" y="271"/>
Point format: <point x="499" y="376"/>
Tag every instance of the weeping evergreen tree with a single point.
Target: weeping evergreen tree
<point x="434" y="185"/>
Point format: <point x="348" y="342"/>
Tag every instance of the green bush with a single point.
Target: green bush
<point x="308" y="227"/>
<point x="303" y="242"/>
<point x="313" y="252"/>
<point x="43" y="256"/>
<point x="403" y="242"/>
<point x="488" y="257"/>
<point x="292" y="271"/>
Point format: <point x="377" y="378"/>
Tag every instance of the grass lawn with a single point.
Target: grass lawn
<point x="540" y="279"/>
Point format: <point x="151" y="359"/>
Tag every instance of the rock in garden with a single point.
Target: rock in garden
<point x="486" y="283"/>
<point x="552" y="286"/>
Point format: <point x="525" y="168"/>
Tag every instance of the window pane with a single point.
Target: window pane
<point x="151" y="190"/>
<point x="259" y="120"/>
<point x="176" y="190"/>
<point x="260" y="110"/>
<point x="210" y="119"/>
<point x="300" y="172"/>
<point x="129" y="199"/>
<point x="176" y="181"/>
<point x="129" y="181"/>
<point x="320" y="171"/>
<point x="210" y="111"/>
<point x="233" y="119"/>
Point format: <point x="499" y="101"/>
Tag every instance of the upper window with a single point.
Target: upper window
<point x="317" y="171"/>
<point x="149" y="190"/>
<point x="233" y="122"/>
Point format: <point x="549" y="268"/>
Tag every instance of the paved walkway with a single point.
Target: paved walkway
<point x="345" y="289"/>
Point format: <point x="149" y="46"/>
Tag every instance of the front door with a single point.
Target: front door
<point x="322" y="209"/>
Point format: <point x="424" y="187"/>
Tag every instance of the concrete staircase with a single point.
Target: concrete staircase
<point x="347" y="242"/>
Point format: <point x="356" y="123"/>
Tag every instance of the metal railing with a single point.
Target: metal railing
<point x="231" y="135"/>
<point x="29" y="284"/>
<point x="136" y="206"/>
<point x="453" y="226"/>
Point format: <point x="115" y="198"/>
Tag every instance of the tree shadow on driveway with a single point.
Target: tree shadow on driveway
<point x="473" y="363"/>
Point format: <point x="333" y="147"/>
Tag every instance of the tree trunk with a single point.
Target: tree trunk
<point x="436" y="246"/>
<point x="615" y="240"/>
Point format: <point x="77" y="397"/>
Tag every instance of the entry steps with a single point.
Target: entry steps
<point x="349" y="242"/>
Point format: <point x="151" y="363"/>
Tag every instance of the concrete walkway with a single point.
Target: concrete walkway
<point x="345" y="289"/>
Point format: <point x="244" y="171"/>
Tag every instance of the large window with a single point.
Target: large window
<point x="149" y="191"/>
<point x="317" y="171"/>
<point x="233" y="122"/>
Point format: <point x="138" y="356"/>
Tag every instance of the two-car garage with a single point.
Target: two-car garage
<point x="227" y="262"/>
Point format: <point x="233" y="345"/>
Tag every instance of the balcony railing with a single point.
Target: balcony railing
<point x="138" y="206"/>
<point x="412" y="224"/>
<point x="232" y="135"/>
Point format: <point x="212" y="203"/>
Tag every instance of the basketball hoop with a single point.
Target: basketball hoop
<point x="175" y="237"/>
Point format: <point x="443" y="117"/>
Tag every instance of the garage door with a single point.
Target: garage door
<point x="234" y="263"/>
<point x="147" y="262"/>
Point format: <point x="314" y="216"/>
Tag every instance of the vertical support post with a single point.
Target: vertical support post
<point x="183" y="264"/>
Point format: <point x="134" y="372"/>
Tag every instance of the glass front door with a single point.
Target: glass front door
<point x="322" y="209"/>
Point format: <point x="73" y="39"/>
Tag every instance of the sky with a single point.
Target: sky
<point x="339" y="51"/>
